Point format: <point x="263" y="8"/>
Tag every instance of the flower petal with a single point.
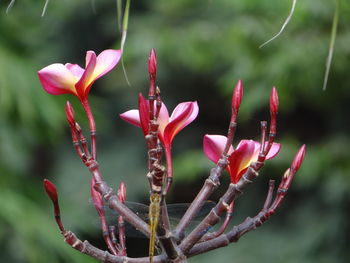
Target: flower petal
<point x="240" y="159"/>
<point x="163" y="119"/>
<point x="144" y="114"/>
<point x="131" y="116"/>
<point x="180" y="108"/>
<point x="86" y="80"/>
<point x="57" y="79"/>
<point x="213" y="146"/>
<point x="75" y="69"/>
<point x="106" y="61"/>
<point x="275" y="149"/>
<point x="183" y="114"/>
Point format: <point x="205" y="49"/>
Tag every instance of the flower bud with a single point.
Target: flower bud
<point x="122" y="192"/>
<point x="298" y="159"/>
<point x="237" y="96"/>
<point x="70" y="113"/>
<point x="274" y="101"/>
<point x="51" y="191"/>
<point x="152" y="63"/>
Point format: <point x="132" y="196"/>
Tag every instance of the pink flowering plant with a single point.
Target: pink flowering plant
<point x="242" y="163"/>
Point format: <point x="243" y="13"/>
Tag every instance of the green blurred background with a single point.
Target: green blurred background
<point x="203" y="48"/>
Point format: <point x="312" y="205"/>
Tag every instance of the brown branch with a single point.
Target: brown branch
<point x="268" y="200"/>
<point x="80" y="145"/>
<point x="92" y="127"/>
<point x="88" y="249"/>
<point x="121" y="225"/>
<point x="157" y="171"/>
<point x="114" y="204"/>
<point x="213" y="217"/>
<point x="237" y="231"/>
<point x="100" y="185"/>
<point x="170" y="248"/>
<point x="234" y="190"/>
<point x="221" y="230"/>
<point x="209" y="186"/>
<point x="214" y="179"/>
<point x="267" y="211"/>
<point x="164" y="213"/>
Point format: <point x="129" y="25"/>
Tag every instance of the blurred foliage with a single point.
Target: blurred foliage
<point x="203" y="48"/>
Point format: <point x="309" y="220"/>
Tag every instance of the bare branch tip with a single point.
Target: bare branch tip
<point x="274" y="101"/>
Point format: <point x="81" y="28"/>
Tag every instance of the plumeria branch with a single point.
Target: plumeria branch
<point x="79" y="139"/>
<point x="92" y="126"/>
<point x="242" y="163"/>
<point x="159" y="220"/>
<point x="80" y="145"/>
<point x="213" y="180"/>
<point x="267" y="211"/>
<point x="221" y="230"/>
<point x="234" y="190"/>
<point x="121" y="223"/>
<point x="85" y="247"/>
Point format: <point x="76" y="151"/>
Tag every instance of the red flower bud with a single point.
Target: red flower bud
<point x="51" y="191"/>
<point x="298" y="159"/>
<point x="274" y="101"/>
<point x="237" y="96"/>
<point x="70" y="113"/>
<point x="152" y="63"/>
<point x="122" y="192"/>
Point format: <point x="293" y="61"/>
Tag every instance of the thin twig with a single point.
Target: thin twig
<point x="10" y="6"/>
<point x="237" y="231"/>
<point x="123" y="38"/>
<point x="45" y="7"/>
<point x="283" y="26"/>
<point x="211" y="235"/>
<point x="331" y="44"/>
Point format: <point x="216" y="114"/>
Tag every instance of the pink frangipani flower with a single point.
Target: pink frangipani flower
<point x="246" y="152"/>
<point x="183" y="114"/>
<point x="59" y="79"/>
